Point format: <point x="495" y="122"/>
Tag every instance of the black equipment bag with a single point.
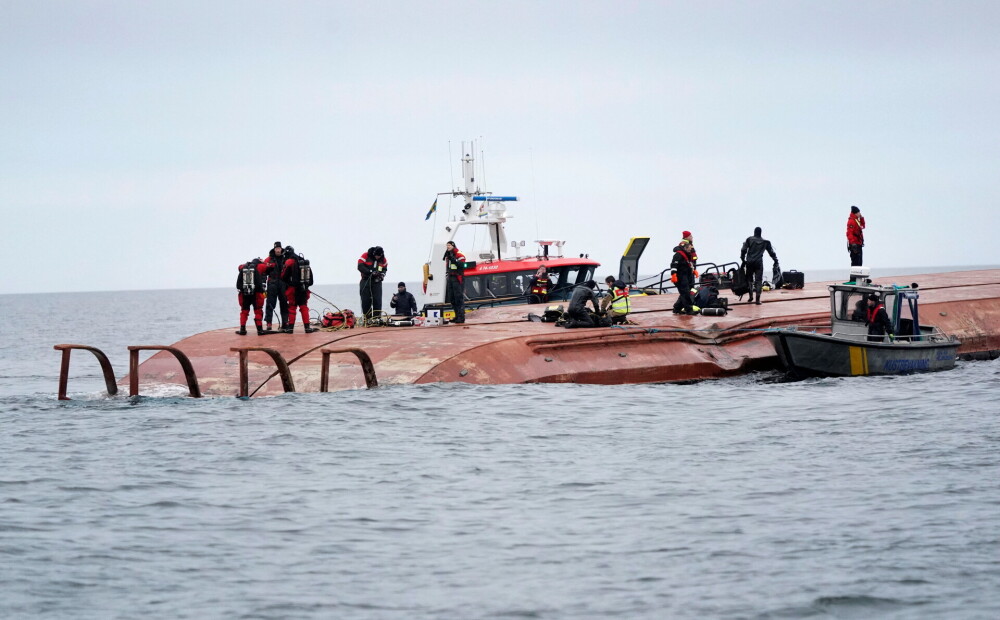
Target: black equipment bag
<point x="793" y="279"/>
<point x="740" y="285"/>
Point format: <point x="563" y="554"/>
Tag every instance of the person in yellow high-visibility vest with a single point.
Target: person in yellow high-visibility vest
<point x="615" y="304"/>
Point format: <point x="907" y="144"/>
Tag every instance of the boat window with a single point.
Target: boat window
<point x="519" y="282"/>
<point x="573" y="276"/>
<point x="851" y="306"/>
<point x="497" y="284"/>
<point x="474" y="287"/>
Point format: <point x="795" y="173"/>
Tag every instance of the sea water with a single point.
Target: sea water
<point x="739" y="498"/>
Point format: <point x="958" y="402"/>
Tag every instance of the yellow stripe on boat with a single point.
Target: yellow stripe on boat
<point x="859" y="361"/>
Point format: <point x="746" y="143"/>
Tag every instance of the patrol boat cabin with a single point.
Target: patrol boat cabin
<point x="491" y="276"/>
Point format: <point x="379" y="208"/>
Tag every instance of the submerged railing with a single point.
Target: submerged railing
<point x="67" y="350"/>
<point x="279" y="361"/>
<point x="133" y="368"/>
<point x="366" y="365"/>
<point x="284" y="371"/>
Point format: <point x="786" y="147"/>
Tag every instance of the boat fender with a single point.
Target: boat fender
<point x="427" y="276"/>
<point x="713" y="312"/>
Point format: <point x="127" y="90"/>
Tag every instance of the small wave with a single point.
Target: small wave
<point x="859" y="601"/>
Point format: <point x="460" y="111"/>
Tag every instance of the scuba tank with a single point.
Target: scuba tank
<point x="248" y="278"/>
<point x="713" y="312"/>
<point x="305" y="273"/>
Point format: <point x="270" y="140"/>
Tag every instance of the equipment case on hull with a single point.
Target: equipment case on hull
<point x="793" y="279"/>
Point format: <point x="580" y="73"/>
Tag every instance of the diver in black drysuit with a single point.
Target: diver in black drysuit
<point x="577" y="313"/>
<point x="276" y="287"/>
<point x="752" y="255"/>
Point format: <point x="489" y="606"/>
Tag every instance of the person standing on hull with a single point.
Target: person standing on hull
<point x="455" y="288"/>
<point x="682" y="275"/>
<point x="687" y="236"/>
<point x="250" y="284"/>
<point x="298" y="277"/>
<point x="752" y="256"/>
<point x="373" y="267"/>
<point x="855" y="236"/>
<point x="538" y="287"/>
<point x="878" y="320"/>
<point x="275" y="287"/>
<point x="403" y="302"/>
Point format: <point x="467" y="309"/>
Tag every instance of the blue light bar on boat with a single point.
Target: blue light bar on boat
<point x="494" y="198"/>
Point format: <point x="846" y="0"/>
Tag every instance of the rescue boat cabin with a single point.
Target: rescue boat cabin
<point x="849" y="310"/>
<point x="491" y="277"/>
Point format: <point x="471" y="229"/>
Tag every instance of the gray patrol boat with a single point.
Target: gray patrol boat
<point x="847" y="349"/>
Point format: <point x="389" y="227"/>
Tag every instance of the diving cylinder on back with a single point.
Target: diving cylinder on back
<point x="248" y="278"/>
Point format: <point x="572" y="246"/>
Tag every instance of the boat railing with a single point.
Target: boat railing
<point x="67" y="350"/>
<point x="935" y="336"/>
<point x="279" y="361"/>
<point x="371" y="381"/>
<point x="722" y="277"/>
<point x="186" y="366"/>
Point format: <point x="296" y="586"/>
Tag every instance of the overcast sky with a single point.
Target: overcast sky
<point x="159" y="144"/>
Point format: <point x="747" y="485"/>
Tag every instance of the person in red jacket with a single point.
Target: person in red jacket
<point x="297" y="275"/>
<point x="454" y="288"/>
<point x="250" y="284"/>
<point x="855" y="236"/>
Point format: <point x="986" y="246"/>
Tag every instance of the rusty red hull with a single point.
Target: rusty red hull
<point x="499" y="346"/>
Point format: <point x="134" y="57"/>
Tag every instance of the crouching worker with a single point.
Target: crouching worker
<point x="298" y="277"/>
<point x="250" y="284"/>
<point x="577" y="314"/>
<point x="615" y="305"/>
<point x="878" y="320"/>
<point x="403" y="302"/>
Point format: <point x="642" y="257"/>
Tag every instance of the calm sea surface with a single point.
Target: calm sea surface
<point x="742" y="498"/>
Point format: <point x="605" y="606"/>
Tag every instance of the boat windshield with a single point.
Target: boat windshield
<point x="851" y="306"/>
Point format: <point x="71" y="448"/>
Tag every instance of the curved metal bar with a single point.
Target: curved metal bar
<point x="109" y="373"/>
<point x="133" y="368"/>
<point x="366" y="365"/>
<point x="279" y="361"/>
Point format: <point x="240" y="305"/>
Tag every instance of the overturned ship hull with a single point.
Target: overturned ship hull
<point x="497" y="345"/>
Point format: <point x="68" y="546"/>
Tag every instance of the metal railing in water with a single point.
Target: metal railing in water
<point x="371" y="381"/>
<point x="283" y="371"/>
<point x="67" y="350"/>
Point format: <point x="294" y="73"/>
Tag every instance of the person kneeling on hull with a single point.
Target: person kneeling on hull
<point x="577" y="313"/>
<point x="615" y="305"/>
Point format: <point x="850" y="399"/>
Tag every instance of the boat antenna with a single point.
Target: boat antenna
<point x="451" y="169"/>
<point x="451" y="172"/>
<point x="482" y="158"/>
<point x="534" y="193"/>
